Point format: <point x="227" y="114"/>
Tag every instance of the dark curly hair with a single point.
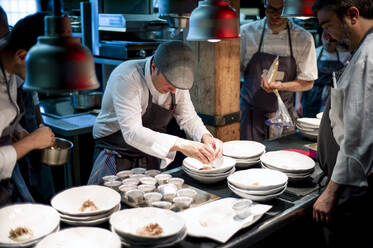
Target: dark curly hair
<point x="25" y="32"/>
<point x="340" y="7"/>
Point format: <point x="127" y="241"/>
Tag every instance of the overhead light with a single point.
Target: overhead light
<point x="213" y="20"/>
<point x="58" y="63"/>
<point x="298" y="8"/>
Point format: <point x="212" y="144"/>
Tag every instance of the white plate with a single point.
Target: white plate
<point x="289" y="174"/>
<point x="208" y="180"/>
<point x="243" y="148"/>
<point x="221" y="164"/>
<point x="312" y="122"/>
<point x="307" y="129"/>
<point x="258" y="179"/>
<point x="83" y="237"/>
<point x="258" y="192"/>
<point x="288" y="161"/>
<point x="40" y="219"/>
<point x="227" y="173"/>
<point x="166" y="242"/>
<point x="69" y="201"/>
<point x="217" y="220"/>
<point x="30" y="243"/>
<point x="257" y="197"/>
<point x="319" y="115"/>
<point x="128" y="221"/>
<point x="91" y="222"/>
<point x="90" y="217"/>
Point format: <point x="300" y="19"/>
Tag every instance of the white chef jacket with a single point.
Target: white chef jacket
<point x="278" y="44"/>
<point x="326" y="56"/>
<point x="8" y="155"/>
<point x="351" y="117"/>
<point x="125" y="101"/>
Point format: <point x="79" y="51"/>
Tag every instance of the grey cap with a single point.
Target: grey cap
<point x="175" y="60"/>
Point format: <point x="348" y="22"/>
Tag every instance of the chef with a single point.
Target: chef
<point x="13" y="51"/>
<point x="345" y="146"/>
<point x="140" y="99"/>
<point x="330" y="58"/>
<point x="261" y="42"/>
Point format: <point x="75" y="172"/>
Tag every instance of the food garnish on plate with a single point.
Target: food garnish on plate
<point x="88" y="206"/>
<point x="20" y="234"/>
<point x="152" y="229"/>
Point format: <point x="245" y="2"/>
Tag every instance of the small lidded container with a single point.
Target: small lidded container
<point x="135" y="196"/>
<point x="110" y="178"/>
<point x="152" y="197"/>
<point x="138" y="171"/>
<point x="177" y="181"/>
<point x="152" y="173"/>
<point x="126" y="187"/>
<point x="146" y="187"/>
<point x="242" y="208"/>
<point x="168" y="191"/>
<point x="187" y="192"/>
<point x="182" y="201"/>
<point x="113" y="185"/>
<point x="124" y="174"/>
<point x="133" y="181"/>
<point x="148" y="180"/>
<point x="162" y="178"/>
<point x="162" y="204"/>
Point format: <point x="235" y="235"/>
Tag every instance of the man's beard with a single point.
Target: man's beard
<point x="345" y="40"/>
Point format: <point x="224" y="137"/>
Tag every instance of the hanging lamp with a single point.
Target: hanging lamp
<point x="298" y="8"/>
<point x="58" y="63"/>
<point x="213" y="20"/>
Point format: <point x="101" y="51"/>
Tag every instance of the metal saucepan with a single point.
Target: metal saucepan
<point x="87" y="100"/>
<point x="58" y="154"/>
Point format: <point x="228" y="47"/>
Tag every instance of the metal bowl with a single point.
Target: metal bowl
<point x="58" y="153"/>
<point x="87" y="100"/>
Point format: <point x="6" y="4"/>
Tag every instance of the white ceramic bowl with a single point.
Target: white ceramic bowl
<point x="127" y="222"/>
<point x="40" y="219"/>
<point x="91" y="237"/>
<point x="70" y="201"/>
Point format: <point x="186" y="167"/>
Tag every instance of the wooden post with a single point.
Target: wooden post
<point x="216" y="91"/>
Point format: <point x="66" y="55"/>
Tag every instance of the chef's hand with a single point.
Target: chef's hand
<point x="270" y="87"/>
<point x="42" y="137"/>
<point x="19" y="135"/>
<point x="325" y="204"/>
<point x="216" y="144"/>
<point x="202" y="152"/>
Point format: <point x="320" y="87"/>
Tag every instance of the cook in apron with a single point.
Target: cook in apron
<point x="15" y="188"/>
<point x="314" y="100"/>
<point x="114" y="154"/>
<point x="256" y="104"/>
<point x="353" y="212"/>
<point x="38" y="176"/>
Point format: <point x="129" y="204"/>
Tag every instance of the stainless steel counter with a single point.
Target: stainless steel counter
<point x="294" y="204"/>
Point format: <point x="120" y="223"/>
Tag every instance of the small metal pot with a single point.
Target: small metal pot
<point x="87" y="100"/>
<point x="58" y="154"/>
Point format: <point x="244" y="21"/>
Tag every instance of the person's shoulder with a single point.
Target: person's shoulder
<point x="299" y="31"/>
<point x="127" y="70"/>
<point x="252" y="27"/>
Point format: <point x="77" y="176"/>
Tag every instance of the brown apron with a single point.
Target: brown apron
<point x="156" y="118"/>
<point x="256" y="104"/>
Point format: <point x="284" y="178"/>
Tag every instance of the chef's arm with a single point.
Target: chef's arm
<point x="41" y="138"/>
<point x="292" y="86"/>
<point x="298" y="103"/>
<point x="202" y="152"/>
<point x="325" y="204"/>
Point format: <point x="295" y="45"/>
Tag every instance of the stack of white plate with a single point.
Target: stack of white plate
<point x="245" y="152"/>
<point x="69" y="204"/>
<point x="319" y="115"/>
<point x="36" y="220"/>
<point x="217" y="171"/>
<point x="309" y="127"/>
<point x="258" y="184"/>
<point x="129" y="225"/>
<point x="92" y="237"/>
<point x="295" y="165"/>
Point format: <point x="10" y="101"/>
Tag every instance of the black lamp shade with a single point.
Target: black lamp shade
<point x="58" y="63"/>
<point x="213" y="19"/>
